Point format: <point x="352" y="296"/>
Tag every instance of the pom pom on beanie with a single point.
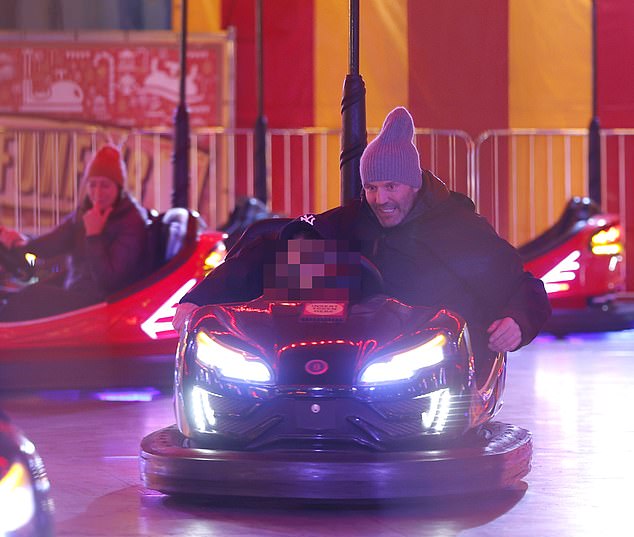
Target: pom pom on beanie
<point x="392" y="155"/>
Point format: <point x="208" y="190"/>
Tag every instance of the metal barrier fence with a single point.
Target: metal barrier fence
<point x="514" y="166"/>
<point x="525" y="177"/>
<point x="520" y="179"/>
<point x="42" y="169"/>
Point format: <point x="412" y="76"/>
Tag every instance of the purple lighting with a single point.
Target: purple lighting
<point x="141" y="394"/>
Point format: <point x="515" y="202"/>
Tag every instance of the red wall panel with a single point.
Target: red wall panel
<point x="288" y="42"/>
<point x="615" y="58"/>
<point x="458" y="64"/>
<point x="288" y="61"/>
<point x="615" y="108"/>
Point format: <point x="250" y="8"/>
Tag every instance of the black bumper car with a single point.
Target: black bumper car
<point x="317" y="396"/>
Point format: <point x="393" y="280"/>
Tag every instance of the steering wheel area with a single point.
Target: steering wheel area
<point x="16" y="264"/>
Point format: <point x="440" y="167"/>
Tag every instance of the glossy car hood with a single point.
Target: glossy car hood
<point x="268" y="327"/>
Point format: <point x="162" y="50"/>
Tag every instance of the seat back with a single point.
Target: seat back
<point x="174" y="228"/>
<point x="574" y="217"/>
<point x="168" y="233"/>
<point x="246" y="212"/>
<point x="260" y="228"/>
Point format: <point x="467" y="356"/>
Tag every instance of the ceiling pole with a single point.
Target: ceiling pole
<point x="594" y="132"/>
<point x="180" y="155"/>
<point x="353" y="131"/>
<point x="259" y="146"/>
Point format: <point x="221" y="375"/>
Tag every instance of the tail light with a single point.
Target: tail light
<point x="607" y="241"/>
<point x="215" y="257"/>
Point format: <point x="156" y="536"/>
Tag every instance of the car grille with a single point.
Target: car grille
<point x="376" y="424"/>
<point x="317" y="364"/>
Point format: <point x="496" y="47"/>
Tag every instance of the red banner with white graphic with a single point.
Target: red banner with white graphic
<point x="125" y="82"/>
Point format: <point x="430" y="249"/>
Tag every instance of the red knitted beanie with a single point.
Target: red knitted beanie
<point x="107" y="162"/>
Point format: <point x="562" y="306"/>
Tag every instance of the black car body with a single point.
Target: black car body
<point x="313" y="391"/>
<point x="378" y="374"/>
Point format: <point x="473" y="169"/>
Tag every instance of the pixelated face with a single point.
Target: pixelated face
<point x="314" y="269"/>
<point x="102" y="191"/>
<point x="390" y="201"/>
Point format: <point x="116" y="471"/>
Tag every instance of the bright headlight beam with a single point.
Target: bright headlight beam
<point x="228" y="363"/>
<point x="405" y="365"/>
<point x="203" y="414"/>
<point x="438" y="412"/>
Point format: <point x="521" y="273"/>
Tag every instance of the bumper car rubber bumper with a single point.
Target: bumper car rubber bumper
<point x="497" y="459"/>
<point x="618" y="315"/>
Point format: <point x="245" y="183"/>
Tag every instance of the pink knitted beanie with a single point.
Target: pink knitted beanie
<point x="392" y="155"/>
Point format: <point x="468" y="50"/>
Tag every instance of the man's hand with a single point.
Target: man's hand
<point x="504" y="335"/>
<point x="95" y="220"/>
<point x="10" y="238"/>
<point x="183" y="311"/>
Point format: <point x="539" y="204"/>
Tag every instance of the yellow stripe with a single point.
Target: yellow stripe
<point x="549" y="87"/>
<point x="550" y="63"/>
<point x="384" y="57"/>
<point x="202" y="16"/>
<point x="331" y="65"/>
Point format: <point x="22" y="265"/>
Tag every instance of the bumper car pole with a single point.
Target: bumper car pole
<point x="594" y="136"/>
<point x="353" y="134"/>
<point x="180" y="155"/>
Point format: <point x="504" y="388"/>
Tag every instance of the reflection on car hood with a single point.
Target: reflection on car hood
<point x="267" y="327"/>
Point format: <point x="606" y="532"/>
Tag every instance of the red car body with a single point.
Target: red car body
<point x="581" y="262"/>
<point x="574" y="275"/>
<point x="135" y="322"/>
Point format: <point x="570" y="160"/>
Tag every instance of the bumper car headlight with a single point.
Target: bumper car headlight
<point x="435" y="418"/>
<point x="17" y="501"/>
<point x="405" y="365"/>
<point x="203" y="415"/>
<point x="228" y="363"/>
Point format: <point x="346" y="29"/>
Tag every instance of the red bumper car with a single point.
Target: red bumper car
<point x="580" y="261"/>
<point x="93" y="346"/>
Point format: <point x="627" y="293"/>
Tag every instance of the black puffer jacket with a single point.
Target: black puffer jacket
<point x="100" y="264"/>
<point x="444" y="254"/>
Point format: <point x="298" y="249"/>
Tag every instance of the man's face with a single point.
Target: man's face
<point x="390" y="201"/>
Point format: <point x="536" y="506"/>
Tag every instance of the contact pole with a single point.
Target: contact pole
<point x="353" y="132"/>
<point x="259" y="146"/>
<point x="180" y="155"/>
<point x="594" y="131"/>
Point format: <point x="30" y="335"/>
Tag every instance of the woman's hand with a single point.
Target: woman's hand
<point x="95" y="220"/>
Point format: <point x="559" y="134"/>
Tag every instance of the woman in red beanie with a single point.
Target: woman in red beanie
<point x="104" y="238"/>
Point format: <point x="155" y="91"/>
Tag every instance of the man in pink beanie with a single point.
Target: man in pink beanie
<point x="433" y="249"/>
<point x="104" y="240"/>
<point x="430" y="245"/>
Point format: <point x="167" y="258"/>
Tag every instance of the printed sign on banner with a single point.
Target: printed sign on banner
<point x="126" y="82"/>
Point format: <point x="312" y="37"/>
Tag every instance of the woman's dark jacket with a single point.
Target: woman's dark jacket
<point x="100" y="264"/>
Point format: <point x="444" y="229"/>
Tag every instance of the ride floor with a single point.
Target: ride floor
<point x="574" y="395"/>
